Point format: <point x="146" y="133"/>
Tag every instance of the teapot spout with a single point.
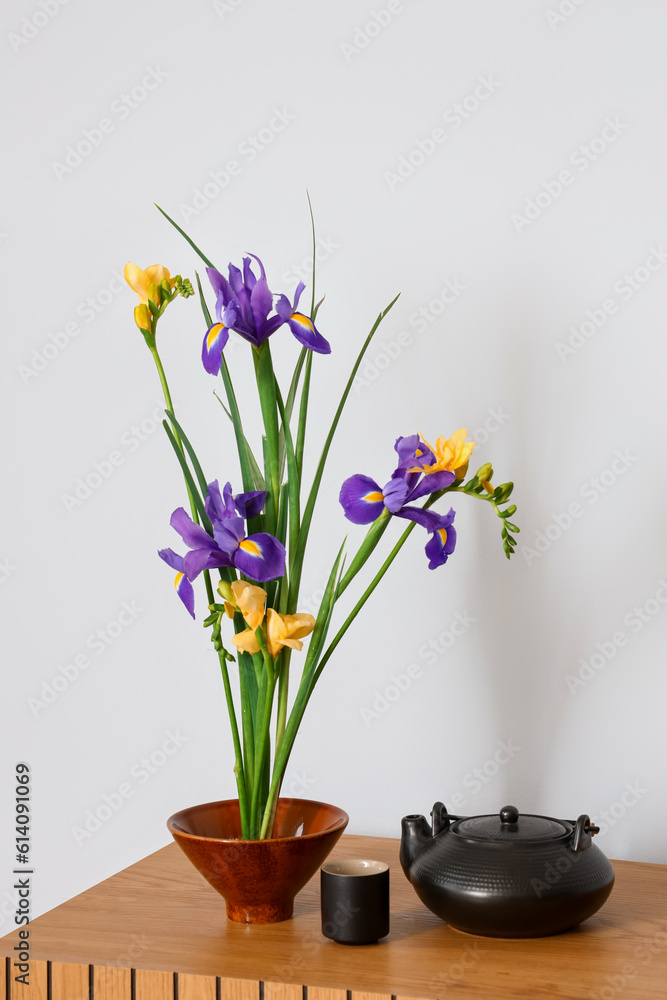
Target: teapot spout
<point x="416" y="834"/>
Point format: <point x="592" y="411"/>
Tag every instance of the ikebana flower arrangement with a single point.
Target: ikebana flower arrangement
<point x="245" y="533"/>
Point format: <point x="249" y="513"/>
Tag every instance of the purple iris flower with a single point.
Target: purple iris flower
<point x="260" y="556"/>
<point x="442" y="542"/>
<point x="243" y="304"/>
<point x="182" y="584"/>
<point x="301" y="326"/>
<point x="220" y="505"/>
<point x="363" y="500"/>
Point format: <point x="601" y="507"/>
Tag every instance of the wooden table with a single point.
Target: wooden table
<point x="157" y="931"/>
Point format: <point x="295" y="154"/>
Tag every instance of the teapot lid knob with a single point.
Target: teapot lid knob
<point x="509" y="815"/>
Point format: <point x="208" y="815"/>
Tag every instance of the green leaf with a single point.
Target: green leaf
<point x="293" y="481"/>
<point x="194" y="492"/>
<point x="303" y="414"/>
<point x="201" y="478"/>
<point x="202" y="302"/>
<point x="185" y="236"/>
<point x="512" y="527"/>
<point x="289" y="405"/>
<point x="255" y="470"/>
<point x="367" y="547"/>
<point x="312" y="497"/>
<point x="266" y="385"/>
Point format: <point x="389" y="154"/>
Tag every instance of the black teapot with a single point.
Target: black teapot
<point x="506" y="875"/>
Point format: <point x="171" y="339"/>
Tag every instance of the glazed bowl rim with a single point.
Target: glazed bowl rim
<point x="340" y="824"/>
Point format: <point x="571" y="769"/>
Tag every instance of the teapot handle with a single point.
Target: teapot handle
<point x="584" y="831"/>
<point x="440" y="818"/>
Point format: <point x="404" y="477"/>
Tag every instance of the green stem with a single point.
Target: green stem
<point x="262" y="741"/>
<point x="283" y="691"/>
<point x="266" y="386"/>
<point x="170" y="406"/>
<point x="238" y="755"/>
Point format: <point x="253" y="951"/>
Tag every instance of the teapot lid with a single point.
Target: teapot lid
<point x="509" y="826"/>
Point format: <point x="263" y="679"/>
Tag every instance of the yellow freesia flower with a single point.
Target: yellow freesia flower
<point x="246" y="598"/>
<point x="451" y="454"/>
<point x="142" y="317"/>
<point x="281" y="630"/>
<point x="141" y="281"/>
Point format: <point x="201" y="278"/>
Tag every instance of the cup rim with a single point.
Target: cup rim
<point x="358" y="867"/>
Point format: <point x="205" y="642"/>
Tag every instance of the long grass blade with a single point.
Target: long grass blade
<point x="186" y="237"/>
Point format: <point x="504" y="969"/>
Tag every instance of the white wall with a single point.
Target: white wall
<point x="581" y="424"/>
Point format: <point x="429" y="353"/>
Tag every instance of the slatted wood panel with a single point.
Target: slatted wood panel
<point x="370" y="996"/>
<point x="112" y="983"/>
<point x="239" y="989"/>
<point x="70" y="981"/>
<point x="195" y="987"/>
<point x="152" y="985"/>
<point x="282" y="991"/>
<point x="4" y="974"/>
<point x="317" y="993"/>
<point x="37" y="990"/>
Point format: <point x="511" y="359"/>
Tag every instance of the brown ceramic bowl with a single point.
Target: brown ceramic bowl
<point x="258" y="878"/>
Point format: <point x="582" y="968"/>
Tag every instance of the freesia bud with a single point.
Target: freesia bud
<point x="142" y="317"/>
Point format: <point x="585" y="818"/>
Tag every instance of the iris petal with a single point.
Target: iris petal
<point x="172" y="559"/>
<point x="429" y="484"/>
<point x="442" y="542"/>
<point x="395" y="494"/>
<point x="357" y="500"/>
<point x="192" y="534"/>
<point x="263" y="560"/>
<point x="251" y="504"/>
<point x="185" y="592"/>
<point x="305" y="332"/>
<point x="214" y="343"/>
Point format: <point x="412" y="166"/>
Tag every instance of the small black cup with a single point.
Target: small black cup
<point x="355" y="901"/>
